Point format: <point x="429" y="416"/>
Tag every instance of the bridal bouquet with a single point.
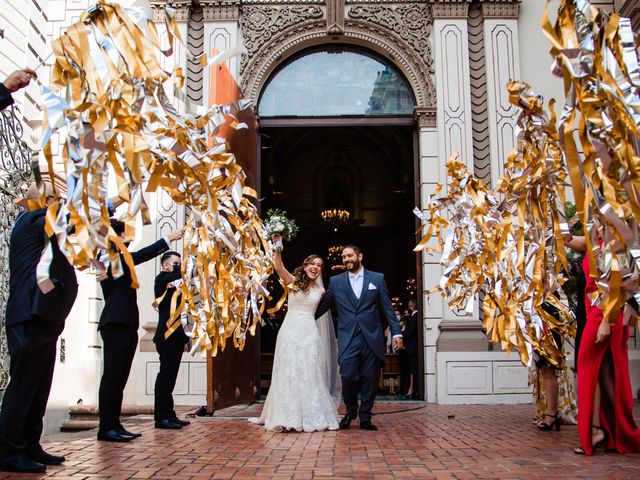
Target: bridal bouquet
<point x="278" y="223"/>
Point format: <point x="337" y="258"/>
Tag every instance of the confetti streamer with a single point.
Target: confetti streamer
<point x="107" y="102"/>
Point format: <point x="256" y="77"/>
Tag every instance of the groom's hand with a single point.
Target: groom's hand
<point x="398" y="344"/>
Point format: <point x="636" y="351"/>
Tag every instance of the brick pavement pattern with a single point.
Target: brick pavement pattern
<point x="413" y="441"/>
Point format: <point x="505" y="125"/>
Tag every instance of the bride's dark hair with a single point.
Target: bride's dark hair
<point x="302" y="280"/>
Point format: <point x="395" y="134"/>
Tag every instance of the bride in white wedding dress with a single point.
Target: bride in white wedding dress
<point x="298" y="397"/>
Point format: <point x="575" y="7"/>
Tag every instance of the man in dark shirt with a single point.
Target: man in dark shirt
<point x="33" y="322"/>
<point x="411" y="347"/>
<point x="170" y="349"/>
<point x="118" y="326"/>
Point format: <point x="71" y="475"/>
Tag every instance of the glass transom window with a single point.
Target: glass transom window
<point x="336" y="81"/>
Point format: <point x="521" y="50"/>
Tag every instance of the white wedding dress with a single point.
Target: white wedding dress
<point x="298" y="398"/>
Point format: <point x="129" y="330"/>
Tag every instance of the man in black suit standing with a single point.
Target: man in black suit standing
<point x="170" y="349"/>
<point x="33" y="320"/>
<point x="118" y="327"/>
<point x="411" y="347"/>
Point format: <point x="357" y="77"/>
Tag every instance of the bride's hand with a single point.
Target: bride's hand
<point x="276" y="238"/>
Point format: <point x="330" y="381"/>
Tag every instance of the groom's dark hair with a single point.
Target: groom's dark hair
<point x="353" y="247"/>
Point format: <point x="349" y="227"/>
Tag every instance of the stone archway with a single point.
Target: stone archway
<point x="401" y="33"/>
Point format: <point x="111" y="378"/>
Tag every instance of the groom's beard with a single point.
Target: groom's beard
<point x="353" y="267"/>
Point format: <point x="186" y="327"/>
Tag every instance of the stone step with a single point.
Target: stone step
<point x="85" y="417"/>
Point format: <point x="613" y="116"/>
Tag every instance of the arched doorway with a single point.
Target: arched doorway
<point x="337" y="135"/>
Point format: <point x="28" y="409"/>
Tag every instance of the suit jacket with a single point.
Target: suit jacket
<point x="164" y="309"/>
<point x="26" y="300"/>
<point x="365" y="313"/>
<point x="120" y="300"/>
<point x="410" y="335"/>
<point x="5" y="97"/>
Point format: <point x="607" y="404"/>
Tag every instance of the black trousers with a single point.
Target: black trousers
<point x="170" y="356"/>
<point x="119" y="345"/>
<point x="359" y="369"/>
<point x="405" y="371"/>
<point x="32" y="352"/>
<point x="412" y="361"/>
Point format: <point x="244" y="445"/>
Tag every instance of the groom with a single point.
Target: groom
<point x="361" y="298"/>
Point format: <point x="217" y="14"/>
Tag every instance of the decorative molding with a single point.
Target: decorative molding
<point x="261" y="23"/>
<point x="335" y="17"/>
<point x="411" y="22"/>
<point x="478" y="91"/>
<point x="220" y="12"/>
<point x="450" y="10"/>
<point x="195" y="46"/>
<point x="425" y="117"/>
<point x="399" y="32"/>
<point x="500" y="10"/>
<point x="182" y="8"/>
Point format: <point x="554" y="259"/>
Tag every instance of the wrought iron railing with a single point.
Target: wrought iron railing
<point x="15" y="174"/>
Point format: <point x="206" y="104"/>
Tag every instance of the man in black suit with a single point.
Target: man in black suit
<point x="411" y="347"/>
<point x="14" y="82"/>
<point x="33" y="320"/>
<point x="170" y="349"/>
<point x="118" y="327"/>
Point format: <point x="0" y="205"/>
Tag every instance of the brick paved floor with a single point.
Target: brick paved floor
<point x="414" y="441"/>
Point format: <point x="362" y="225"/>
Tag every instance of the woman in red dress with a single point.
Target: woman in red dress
<point x="605" y="401"/>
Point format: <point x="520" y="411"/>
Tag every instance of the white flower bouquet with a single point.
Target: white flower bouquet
<point x="278" y="223"/>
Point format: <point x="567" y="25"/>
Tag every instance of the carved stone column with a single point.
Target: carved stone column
<point x="454" y="113"/>
<point x="502" y="65"/>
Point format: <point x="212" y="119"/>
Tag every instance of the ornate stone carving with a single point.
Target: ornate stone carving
<point x="181" y="7"/>
<point x="412" y="22"/>
<point x="425" y="116"/>
<point x="450" y="10"/>
<point x="220" y="11"/>
<point x="500" y="10"/>
<point x="335" y="17"/>
<point x="260" y="23"/>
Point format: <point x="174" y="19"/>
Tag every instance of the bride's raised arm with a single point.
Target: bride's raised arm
<point x="282" y="272"/>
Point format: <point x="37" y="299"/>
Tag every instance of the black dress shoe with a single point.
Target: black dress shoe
<point x="368" y="426"/>
<point x="345" y="422"/>
<point x="180" y="422"/>
<point x="127" y="433"/>
<point x="22" y="465"/>
<point x="168" y="425"/>
<point x="114" y="436"/>
<point x="45" y="458"/>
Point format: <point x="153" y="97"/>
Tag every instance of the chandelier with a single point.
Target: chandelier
<point x="335" y="216"/>
<point x="335" y="257"/>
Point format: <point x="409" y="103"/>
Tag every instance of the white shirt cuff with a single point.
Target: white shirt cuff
<point x="397" y="336"/>
<point x="167" y="241"/>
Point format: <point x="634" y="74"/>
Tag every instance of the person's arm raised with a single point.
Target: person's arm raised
<point x="282" y="272"/>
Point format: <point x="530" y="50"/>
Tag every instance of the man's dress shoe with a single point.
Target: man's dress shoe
<point x="127" y="433"/>
<point x="168" y="424"/>
<point x="45" y="458"/>
<point x="368" y="426"/>
<point x="180" y="422"/>
<point x="22" y="464"/>
<point x="114" y="436"/>
<point x="345" y="422"/>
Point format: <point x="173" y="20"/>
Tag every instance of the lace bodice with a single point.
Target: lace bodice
<point x="305" y="302"/>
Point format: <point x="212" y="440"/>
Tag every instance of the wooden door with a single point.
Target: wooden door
<point x="233" y="375"/>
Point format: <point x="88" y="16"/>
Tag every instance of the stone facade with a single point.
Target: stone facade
<point x="455" y="54"/>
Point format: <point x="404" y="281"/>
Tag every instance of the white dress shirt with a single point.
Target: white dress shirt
<point x="355" y="279"/>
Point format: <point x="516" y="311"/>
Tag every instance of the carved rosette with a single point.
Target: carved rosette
<point x="400" y="32"/>
<point x="411" y="22"/>
<point x="260" y="23"/>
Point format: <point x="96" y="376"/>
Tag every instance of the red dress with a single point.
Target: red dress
<point x="616" y="414"/>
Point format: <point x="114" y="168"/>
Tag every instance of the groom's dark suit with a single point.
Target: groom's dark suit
<point x="361" y="343"/>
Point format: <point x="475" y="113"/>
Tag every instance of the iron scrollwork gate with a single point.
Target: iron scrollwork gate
<point x="15" y="175"/>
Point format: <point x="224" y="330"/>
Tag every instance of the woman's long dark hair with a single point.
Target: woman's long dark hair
<point x="302" y="280"/>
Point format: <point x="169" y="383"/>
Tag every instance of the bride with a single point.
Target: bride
<point x="299" y="397"/>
